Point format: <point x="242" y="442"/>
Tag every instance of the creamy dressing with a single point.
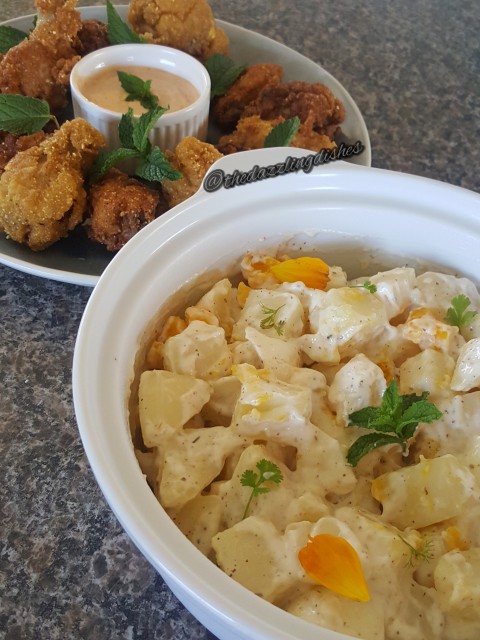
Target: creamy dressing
<point x="104" y="89"/>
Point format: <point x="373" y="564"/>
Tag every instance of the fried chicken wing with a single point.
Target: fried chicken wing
<point x="187" y="25"/>
<point x="313" y="103"/>
<point x="227" y="109"/>
<point x="192" y="158"/>
<point x="42" y="195"/>
<point x="118" y="207"/>
<point x="40" y="65"/>
<point x="251" y="132"/>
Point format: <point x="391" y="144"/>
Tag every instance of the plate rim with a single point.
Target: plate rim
<point x="90" y="280"/>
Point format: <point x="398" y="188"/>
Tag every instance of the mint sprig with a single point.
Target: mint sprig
<point x="10" y="37"/>
<point x="138" y="90"/>
<point x="283" y="133"/>
<point x="457" y="314"/>
<point x="23" y="115"/>
<point x="118" y="31"/>
<point x="393" y="422"/>
<point x="223" y="72"/>
<point x="152" y="163"/>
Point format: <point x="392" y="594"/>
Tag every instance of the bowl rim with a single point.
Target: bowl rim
<point x="207" y="584"/>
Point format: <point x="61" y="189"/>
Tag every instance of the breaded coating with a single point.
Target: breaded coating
<point x="42" y="195"/>
<point x="228" y="109"/>
<point x="40" y="65"/>
<point x="93" y="35"/>
<point x="118" y="207"/>
<point x="251" y="132"/>
<point x="219" y="44"/>
<point x="192" y="158"/>
<point x="313" y="103"/>
<point x="187" y="25"/>
<point x="11" y="144"/>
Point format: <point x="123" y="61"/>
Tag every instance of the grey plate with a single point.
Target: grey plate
<point x="78" y="260"/>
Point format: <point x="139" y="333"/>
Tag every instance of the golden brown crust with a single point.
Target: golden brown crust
<point x="42" y="197"/>
<point x="227" y="109"/>
<point x="192" y="158"/>
<point x="187" y="25"/>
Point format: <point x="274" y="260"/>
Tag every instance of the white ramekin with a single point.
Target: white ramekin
<point x="171" y="127"/>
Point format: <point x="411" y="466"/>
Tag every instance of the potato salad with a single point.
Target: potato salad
<point x="318" y="438"/>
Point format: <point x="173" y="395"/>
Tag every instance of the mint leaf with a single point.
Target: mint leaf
<point x="142" y="127"/>
<point x="457" y="314"/>
<point x="155" y="167"/>
<point x="108" y="159"/>
<point x="369" y="442"/>
<point x="394" y="421"/>
<point x="10" y="37"/>
<point x="125" y="129"/>
<point x="283" y="133"/>
<point x="138" y="90"/>
<point x="223" y="72"/>
<point x="117" y="30"/>
<point x="22" y="114"/>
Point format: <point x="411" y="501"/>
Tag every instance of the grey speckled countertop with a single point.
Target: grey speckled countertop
<point x="67" y="570"/>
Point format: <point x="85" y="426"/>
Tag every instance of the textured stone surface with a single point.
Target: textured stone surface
<point x="66" y="568"/>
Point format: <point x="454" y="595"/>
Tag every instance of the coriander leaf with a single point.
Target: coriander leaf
<point x="368" y="442"/>
<point x="283" y="133"/>
<point x="138" y="90"/>
<point x="268" y="471"/>
<point x="223" y="72"/>
<point x="22" y="114"/>
<point x="142" y="127"/>
<point x="457" y="314"/>
<point x="394" y="421"/>
<point x="10" y="37"/>
<point x="117" y="30"/>
<point x="108" y="159"/>
<point x="155" y="167"/>
<point x="369" y="286"/>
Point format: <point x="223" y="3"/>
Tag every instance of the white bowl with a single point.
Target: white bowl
<point x="171" y="127"/>
<point x="339" y="209"/>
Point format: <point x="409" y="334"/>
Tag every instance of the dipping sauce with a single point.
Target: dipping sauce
<point x="104" y="89"/>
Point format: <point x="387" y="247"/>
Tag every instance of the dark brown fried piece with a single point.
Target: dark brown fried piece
<point x="251" y="132"/>
<point x="228" y="109"/>
<point x="313" y="103"/>
<point x="118" y="207"/>
<point x="187" y="25"/>
<point x="42" y="195"/>
<point x="93" y="35"/>
<point x="40" y="65"/>
<point x="192" y="158"/>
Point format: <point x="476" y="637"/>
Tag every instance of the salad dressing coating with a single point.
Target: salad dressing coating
<point x="249" y="406"/>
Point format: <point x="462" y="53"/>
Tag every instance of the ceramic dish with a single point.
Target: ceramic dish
<point x="359" y="215"/>
<point x="80" y="261"/>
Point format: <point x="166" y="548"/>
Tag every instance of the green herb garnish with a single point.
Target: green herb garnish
<point x="267" y="472"/>
<point x="457" y="314"/>
<point x="152" y="163"/>
<point x="138" y="90"/>
<point x="424" y="552"/>
<point x="118" y="31"/>
<point x="283" y="133"/>
<point x="223" y="72"/>
<point x="369" y="286"/>
<point x="10" y="37"/>
<point x="270" y="320"/>
<point x="393" y="422"/>
<point x="22" y="114"/>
